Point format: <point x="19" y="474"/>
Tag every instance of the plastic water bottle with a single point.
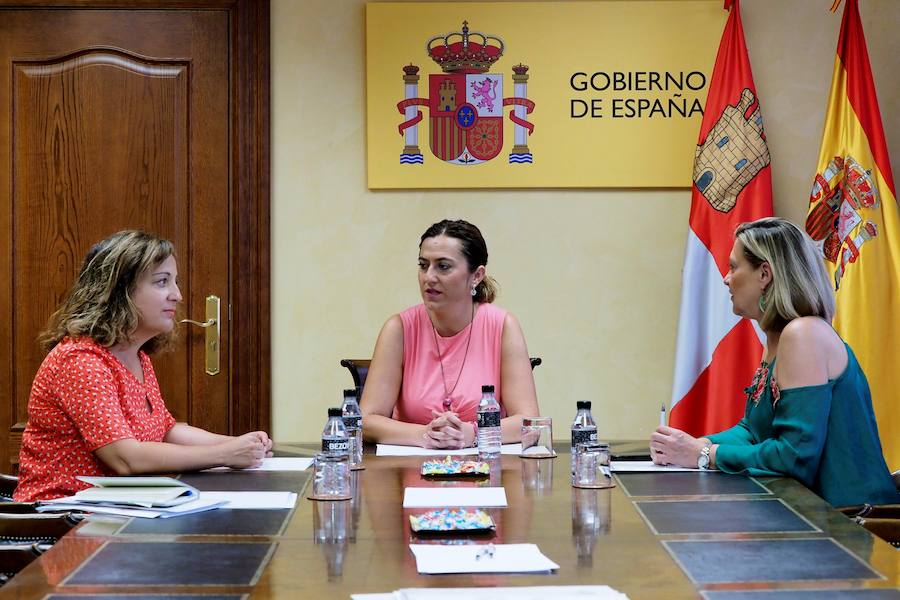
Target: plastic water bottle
<point x="353" y="423"/>
<point x="334" y="437"/>
<point x="489" y="436"/>
<point x="584" y="429"/>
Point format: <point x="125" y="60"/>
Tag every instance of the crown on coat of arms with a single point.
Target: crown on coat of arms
<point x="458" y="52"/>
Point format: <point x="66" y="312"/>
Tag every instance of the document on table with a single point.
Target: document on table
<point x="557" y="592"/>
<point x="432" y="559"/>
<point x="195" y="506"/>
<point x="278" y="463"/>
<point x="646" y="466"/>
<point x="242" y="500"/>
<point x="427" y="497"/>
<point x="392" y="450"/>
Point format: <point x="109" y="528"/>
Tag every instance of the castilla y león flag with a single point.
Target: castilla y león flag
<point x="718" y="352"/>
<point x="853" y="215"/>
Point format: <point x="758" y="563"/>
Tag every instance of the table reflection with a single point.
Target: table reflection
<point x="591" y="514"/>
<point x="537" y="476"/>
<point x="333" y="530"/>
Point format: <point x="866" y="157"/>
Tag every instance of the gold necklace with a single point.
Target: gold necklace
<point x="447" y="401"/>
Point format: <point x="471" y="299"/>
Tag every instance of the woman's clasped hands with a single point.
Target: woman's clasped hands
<point x="446" y="430"/>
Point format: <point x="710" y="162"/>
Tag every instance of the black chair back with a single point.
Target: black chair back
<point x="359" y="369"/>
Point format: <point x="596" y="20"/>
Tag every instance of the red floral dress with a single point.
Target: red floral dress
<point x="83" y="398"/>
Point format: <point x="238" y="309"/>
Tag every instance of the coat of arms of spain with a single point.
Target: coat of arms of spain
<point x="840" y="198"/>
<point x="465" y="102"/>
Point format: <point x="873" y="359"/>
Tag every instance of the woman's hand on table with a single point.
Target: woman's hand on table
<point x="247" y="450"/>
<point x="670" y="446"/>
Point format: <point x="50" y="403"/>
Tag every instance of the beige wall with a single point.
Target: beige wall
<point x="593" y="275"/>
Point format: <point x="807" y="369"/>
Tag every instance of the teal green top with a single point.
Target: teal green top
<point x="824" y="436"/>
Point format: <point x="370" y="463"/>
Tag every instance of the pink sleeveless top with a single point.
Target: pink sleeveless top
<point x="422" y="390"/>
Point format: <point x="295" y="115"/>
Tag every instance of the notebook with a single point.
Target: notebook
<point x="147" y="492"/>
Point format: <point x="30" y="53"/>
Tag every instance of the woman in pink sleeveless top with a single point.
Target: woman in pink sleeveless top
<point x="430" y="361"/>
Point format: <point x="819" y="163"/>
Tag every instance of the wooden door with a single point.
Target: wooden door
<point x="115" y="118"/>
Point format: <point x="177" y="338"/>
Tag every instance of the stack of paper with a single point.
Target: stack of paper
<point x="148" y="497"/>
<point x="557" y="592"/>
<point x="645" y="466"/>
<point x="144" y="492"/>
<point x="278" y="463"/>
<point x="392" y="450"/>
<point x="503" y="558"/>
<point x="427" y="497"/>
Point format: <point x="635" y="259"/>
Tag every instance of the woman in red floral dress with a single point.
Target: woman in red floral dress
<point x="95" y="406"/>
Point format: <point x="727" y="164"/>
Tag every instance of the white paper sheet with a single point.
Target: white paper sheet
<point x="421" y="497"/>
<point x="392" y="450"/>
<point x="278" y="463"/>
<point x="557" y="592"/>
<point x="434" y="559"/>
<point x="645" y="466"/>
<point x="242" y="500"/>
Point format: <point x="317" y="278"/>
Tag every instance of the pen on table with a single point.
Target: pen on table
<point x="662" y="415"/>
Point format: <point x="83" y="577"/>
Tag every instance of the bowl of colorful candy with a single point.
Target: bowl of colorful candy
<point x="447" y="520"/>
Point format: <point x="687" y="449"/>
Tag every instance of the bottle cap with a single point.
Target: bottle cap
<point x="350" y="393"/>
<point x="582" y="405"/>
<point x="487" y="389"/>
<point x="334" y="412"/>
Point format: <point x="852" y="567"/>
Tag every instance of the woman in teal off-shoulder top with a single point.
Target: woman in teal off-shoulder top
<point x="809" y="410"/>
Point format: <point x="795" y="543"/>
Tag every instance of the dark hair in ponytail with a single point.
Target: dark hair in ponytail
<point x="473" y="247"/>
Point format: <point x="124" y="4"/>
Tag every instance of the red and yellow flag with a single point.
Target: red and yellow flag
<point x="717" y="352"/>
<point x="853" y="213"/>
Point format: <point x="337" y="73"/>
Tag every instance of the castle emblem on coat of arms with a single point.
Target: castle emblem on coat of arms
<point x="465" y="103"/>
<point x="733" y="152"/>
<point x="839" y="198"/>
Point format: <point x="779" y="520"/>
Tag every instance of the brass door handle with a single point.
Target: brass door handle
<point x="208" y="323"/>
<point x="212" y="327"/>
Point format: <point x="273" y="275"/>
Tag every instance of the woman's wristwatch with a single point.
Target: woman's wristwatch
<point x="703" y="459"/>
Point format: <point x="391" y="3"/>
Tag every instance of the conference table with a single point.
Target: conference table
<point x="653" y="535"/>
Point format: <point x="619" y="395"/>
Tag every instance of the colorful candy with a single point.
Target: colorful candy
<point x="448" y="466"/>
<point x="451" y="519"/>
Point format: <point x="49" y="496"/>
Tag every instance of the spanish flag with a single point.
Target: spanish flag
<point x="853" y="214"/>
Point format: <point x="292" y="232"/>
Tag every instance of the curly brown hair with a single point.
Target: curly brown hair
<point x="99" y="305"/>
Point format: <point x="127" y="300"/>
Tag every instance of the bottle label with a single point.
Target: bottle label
<point x="352" y="421"/>
<point x="489" y="419"/>
<point x="582" y="436"/>
<point x="339" y="446"/>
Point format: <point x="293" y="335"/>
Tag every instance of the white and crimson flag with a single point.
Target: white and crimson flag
<point x="717" y="352"/>
<point x="853" y="214"/>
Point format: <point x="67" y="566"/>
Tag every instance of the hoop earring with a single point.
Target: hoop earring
<point x="474" y="291"/>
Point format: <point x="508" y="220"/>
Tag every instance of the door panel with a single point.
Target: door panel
<point x="92" y="155"/>
<point x="114" y="119"/>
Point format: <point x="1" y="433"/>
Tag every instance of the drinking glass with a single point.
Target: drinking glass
<point x="592" y="466"/>
<point x="537" y="437"/>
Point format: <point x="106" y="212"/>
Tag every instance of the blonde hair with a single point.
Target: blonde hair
<point x="99" y="304"/>
<point x="800" y="285"/>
